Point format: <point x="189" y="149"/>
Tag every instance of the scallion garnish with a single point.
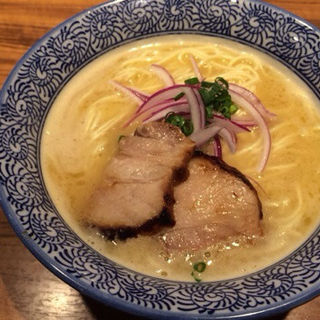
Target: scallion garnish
<point x="187" y="129"/>
<point x="178" y="120"/>
<point x="192" y="81"/>
<point x="222" y="82"/>
<point x="178" y="96"/>
<point x="216" y="97"/>
<point x="206" y="96"/>
<point x="233" y="108"/>
<point x="195" y="277"/>
<point x="206" y="84"/>
<point x="209" y="112"/>
<point x="199" y="266"/>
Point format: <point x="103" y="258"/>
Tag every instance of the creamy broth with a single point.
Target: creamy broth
<point x="83" y="126"/>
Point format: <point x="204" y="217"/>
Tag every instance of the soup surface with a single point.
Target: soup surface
<point x="82" y="129"/>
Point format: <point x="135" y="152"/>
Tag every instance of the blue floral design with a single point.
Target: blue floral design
<point x="105" y="27"/>
<point x="141" y="16"/>
<point x="43" y="74"/>
<point x="177" y="14"/>
<point x="70" y="46"/>
<point x="90" y="267"/>
<point x="22" y="104"/>
<point x="15" y="144"/>
<point x="144" y="290"/>
<point x="310" y="66"/>
<point x="210" y="299"/>
<point x="256" y="23"/>
<point x="274" y="284"/>
<point x="48" y="232"/>
<point x="24" y="190"/>
<point x="315" y="68"/>
<point x="307" y="264"/>
<point x="293" y="40"/>
<point x="215" y="16"/>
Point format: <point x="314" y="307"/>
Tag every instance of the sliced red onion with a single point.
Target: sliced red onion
<point x="139" y="96"/>
<point x="192" y="96"/>
<point x="248" y="107"/>
<point x="171" y="103"/>
<point x="180" y="108"/>
<point x="253" y="99"/>
<point x="197" y="109"/>
<point x="196" y="69"/>
<point x="202" y="136"/>
<point x="163" y="74"/>
<point x="229" y="124"/>
<point x="247" y="123"/>
<point x="162" y="115"/>
<point x="161" y="95"/>
<point x="230" y="138"/>
<point x="217" y="148"/>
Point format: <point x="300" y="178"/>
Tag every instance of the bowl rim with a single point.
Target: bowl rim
<point x="82" y="287"/>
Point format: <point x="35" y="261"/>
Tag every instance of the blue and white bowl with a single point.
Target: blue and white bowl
<point x="27" y="96"/>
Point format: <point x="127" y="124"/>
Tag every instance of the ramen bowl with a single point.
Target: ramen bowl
<point x="27" y="97"/>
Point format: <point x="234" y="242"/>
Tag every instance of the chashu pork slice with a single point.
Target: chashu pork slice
<point x="136" y="188"/>
<point x="214" y="204"/>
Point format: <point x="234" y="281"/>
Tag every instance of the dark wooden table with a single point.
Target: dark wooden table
<point x="28" y="291"/>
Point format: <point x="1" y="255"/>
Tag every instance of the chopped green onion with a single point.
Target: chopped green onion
<point x="175" y="119"/>
<point x="192" y="81"/>
<point x="206" y="96"/>
<point x="206" y="84"/>
<point x="178" y="96"/>
<point x="209" y="112"/>
<point x="216" y="97"/>
<point x="222" y="81"/>
<point x="233" y="109"/>
<point x="195" y="277"/>
<point x="199" y="266"/>
<point x="187" y="129"/>
<point x="185" y="125"/>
